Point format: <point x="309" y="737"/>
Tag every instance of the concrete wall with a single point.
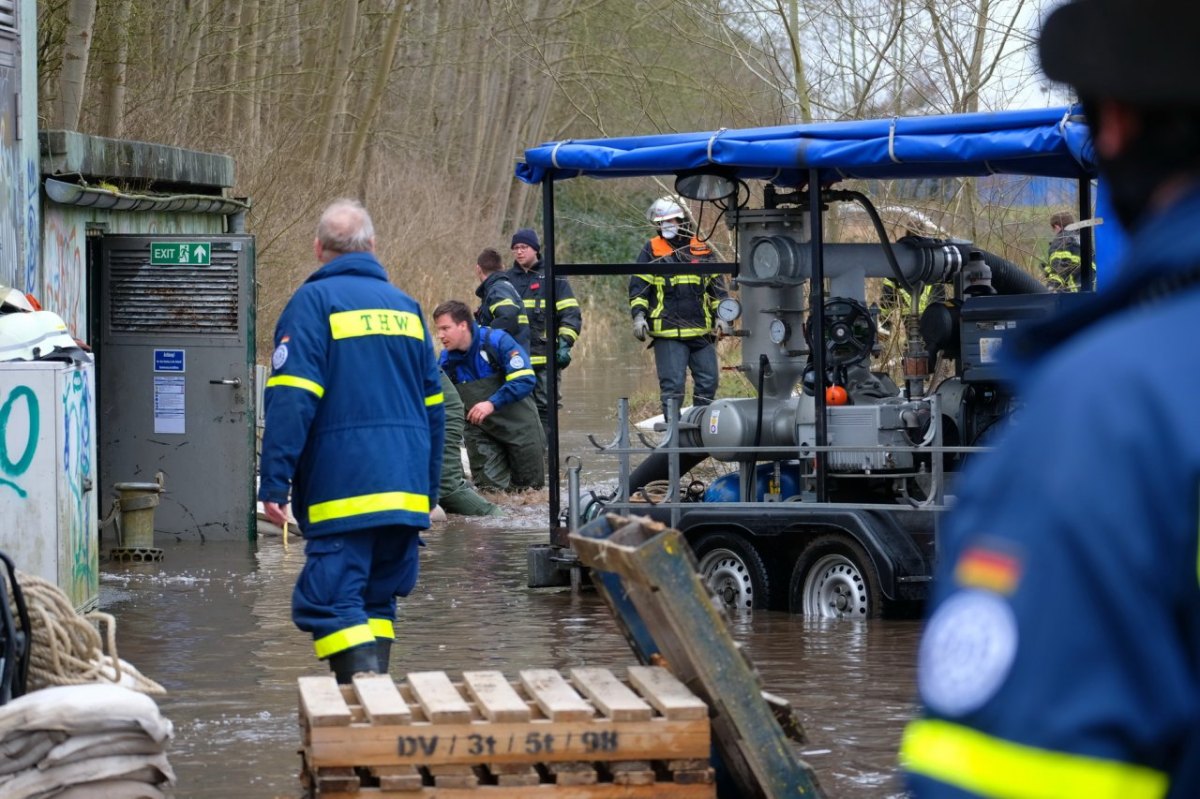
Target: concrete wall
<point x="19" y="206"/>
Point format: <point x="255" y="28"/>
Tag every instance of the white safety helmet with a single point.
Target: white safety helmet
<point x="12" y="300"/>
<point x="37" y="336"/>
<point x="665" y="208"/>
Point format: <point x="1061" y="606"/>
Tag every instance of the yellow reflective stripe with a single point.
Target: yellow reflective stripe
<point x="640" y="302"/>
<point x="375" y="322"/>
<point x="567" y="332"/>
<point x="519" y="373"/>
<point x="689" y="279"/>
<point x="562" y="304"/>
<point x="530" y="303"/>
<point x="992" y="767"/>
<point x="1065" y="255"/>
<point x="382" y="628"/>
<point x="504" y="301"/>
<point x="367" y="503"/>
<point x="435" y="399"/>
<point x="342" y="640"/>
<point x="522" y="319"/>
<point x="296" y="382"/>
<point x="537" y="360"/>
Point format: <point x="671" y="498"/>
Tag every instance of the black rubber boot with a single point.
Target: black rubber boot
<point x="383" y="648"/>
<point x="347" y="663"/>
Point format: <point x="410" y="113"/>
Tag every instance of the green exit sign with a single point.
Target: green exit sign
<point x="180" y="253"/>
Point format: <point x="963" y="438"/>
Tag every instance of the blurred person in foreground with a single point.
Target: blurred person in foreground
<point x="354" y="430"/>
<point x="1061" y="656"/>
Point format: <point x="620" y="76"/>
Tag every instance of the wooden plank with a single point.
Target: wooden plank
<point x="398" y="778"/>
<point x="510" y="774"/>
<point x="657" y="591"/>
<point x="659" y="790"/>
<point x="538" y="741"/>
<point x="633" y="772"/>
<point x="574" y="773"/>
<point x="454" y="776"/>
<point x="438" y="697"/>
<point x="336" y="779"/>
<point x="497" y="699"/>
<point x="667" y="694"/>
<point x="381" y="700"/>
<point x="322" y="704"/>
<point x="613" y="697"/>
<point x="554" y="696"/>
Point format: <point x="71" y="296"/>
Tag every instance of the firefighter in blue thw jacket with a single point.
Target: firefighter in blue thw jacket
<point x="354" y="426"/>
<point x="1061" y="657"/>
<point x="493" y="377"/>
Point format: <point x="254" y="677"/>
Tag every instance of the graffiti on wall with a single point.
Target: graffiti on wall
<point x="17" y="455"/>
<point x="32" y="222"/>
<point x="77" y="464"/>
<point x="42" y="497"/>
<point x="12" y="195"/>
<point x="64" y="290"/>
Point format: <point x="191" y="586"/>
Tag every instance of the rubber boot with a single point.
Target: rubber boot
<point x="383" y="648"/>
<point x="347" y="663"/>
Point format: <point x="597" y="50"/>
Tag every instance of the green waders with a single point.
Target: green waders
<point x="507" y="450"/>
<point x="455" y="494"/>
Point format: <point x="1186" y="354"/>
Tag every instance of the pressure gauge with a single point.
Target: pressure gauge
<point x="729" y="309"/>
<point x="780" y="331"/>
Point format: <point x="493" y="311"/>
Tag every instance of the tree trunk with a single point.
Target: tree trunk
<point x="112" y="106"/>
<point x="386" y="57"/>
<point x="77" y="45"/>
<point x="335" y="86"/>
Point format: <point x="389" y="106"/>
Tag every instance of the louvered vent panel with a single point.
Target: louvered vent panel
<point x="175" y="299"/>
<point x="8" y="15"/>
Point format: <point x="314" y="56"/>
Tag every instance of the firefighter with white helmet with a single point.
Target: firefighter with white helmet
<point x="677" y="311"/>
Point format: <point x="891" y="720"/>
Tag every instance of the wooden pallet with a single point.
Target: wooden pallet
<point x="586" y="734"/>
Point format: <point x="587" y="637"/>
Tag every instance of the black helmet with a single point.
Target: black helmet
<point x="1140" y="51"/>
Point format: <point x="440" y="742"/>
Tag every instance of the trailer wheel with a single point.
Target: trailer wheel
<point x="733" y="570"/>
<point x="834" y="579"/>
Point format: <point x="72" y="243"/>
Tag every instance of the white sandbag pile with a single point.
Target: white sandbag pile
<point x="84" y="742"/>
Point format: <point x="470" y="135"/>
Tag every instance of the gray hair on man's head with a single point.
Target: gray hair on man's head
<point x="346" y="226"/>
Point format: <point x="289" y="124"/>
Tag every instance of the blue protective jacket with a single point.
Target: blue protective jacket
<point x="354" y="416"/>
<point x="492" y="352"/>
<point x="1062" y="652"/>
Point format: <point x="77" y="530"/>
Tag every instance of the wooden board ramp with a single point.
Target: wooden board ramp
<point x="585" y="734"/>
<point x="648" y="576"/>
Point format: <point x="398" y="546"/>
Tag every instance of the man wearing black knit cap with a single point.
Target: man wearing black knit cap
<point x="1061" y="656"/>
<point x="529" y="277"/>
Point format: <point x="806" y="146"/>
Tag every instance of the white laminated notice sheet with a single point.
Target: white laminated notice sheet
<point x="168" y="404"/>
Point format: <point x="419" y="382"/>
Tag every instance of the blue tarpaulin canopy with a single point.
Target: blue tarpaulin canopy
<point x="1051" y="142"/>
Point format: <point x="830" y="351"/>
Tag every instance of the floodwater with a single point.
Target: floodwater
<point x="212" y="624"/>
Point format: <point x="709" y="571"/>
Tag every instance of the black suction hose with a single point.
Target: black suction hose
<point x="1007" y="277"/>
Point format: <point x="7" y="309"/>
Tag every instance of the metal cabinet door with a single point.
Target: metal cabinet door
<point x="174" y="365"/>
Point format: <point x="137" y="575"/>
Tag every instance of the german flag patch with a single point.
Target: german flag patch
<point x="986" y="568"/>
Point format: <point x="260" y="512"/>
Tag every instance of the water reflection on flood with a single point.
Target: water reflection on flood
<point x="212" y="624"/>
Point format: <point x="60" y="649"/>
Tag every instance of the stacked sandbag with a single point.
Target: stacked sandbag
<point x="84" y="742"/>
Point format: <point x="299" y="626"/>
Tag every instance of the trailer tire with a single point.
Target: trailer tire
<point x="835" y="579"/>
<point x="733" y="569"/>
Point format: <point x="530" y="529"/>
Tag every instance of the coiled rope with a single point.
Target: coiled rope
<point x="67" y="648"/>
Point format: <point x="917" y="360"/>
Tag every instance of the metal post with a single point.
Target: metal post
<point x="1087" y="274"/>
<point x="816" y="297"/>
<point x="551" y="340"/>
